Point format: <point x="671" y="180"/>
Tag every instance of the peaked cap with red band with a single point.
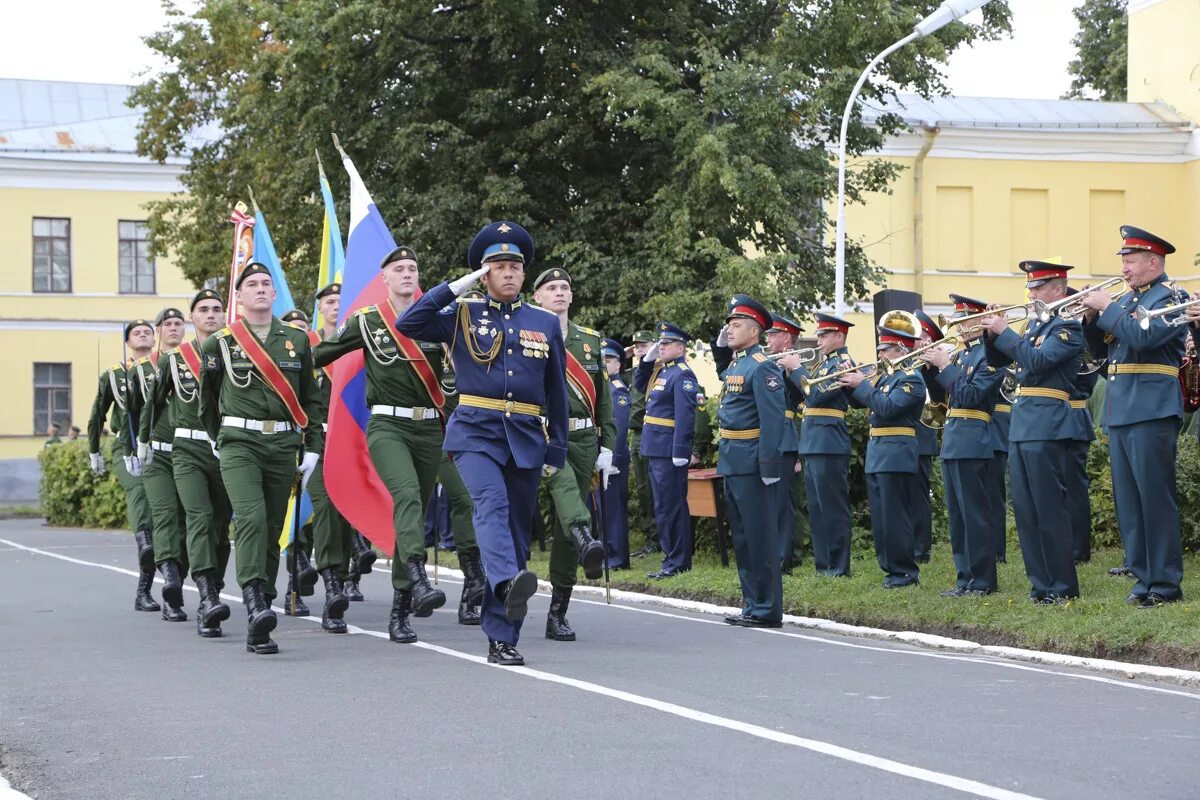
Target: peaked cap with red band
<point x="1138" y="240"/>
<point x="828" y="322"/>
<point x="1038" y="272"/>
<point x="780" y="323"/>
<point x="967" y="305"/>
<point x="746" y="307"/>
<point x="930" y="327"/>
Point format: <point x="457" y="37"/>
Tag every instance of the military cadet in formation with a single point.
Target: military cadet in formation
<point x="782" y="337"/>
<point x="156" y="437"/>
<point x="893" y="466"/>
<point x="927" y="439"/>
<point x="302" y="575"/>
<point x="616" y="494"/>
<point x="670" y="387"/>
<point x="258" y="400"/>
<point x="589" y="451"/>
<point x="757" y="450"/>
<point x="1143" y="410"/>
<point x="1079" y="485"/>
<point x="510" y="368"/>
<point x="404" y="438"/>
<point x="1047" y="357"/>
<point x="642" y="342"/>
<point x="113" y="393"/>
<point x="825" y="450"/>
<point x="972" y="387"/>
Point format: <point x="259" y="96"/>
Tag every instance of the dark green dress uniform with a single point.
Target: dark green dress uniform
<point x="1047" y="356"/>
<point x="893" y="461"/>
<point x="1143" y="410"/>
<point x="757" y="455"/>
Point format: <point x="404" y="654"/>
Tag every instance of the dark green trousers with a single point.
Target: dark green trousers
<point x="258" y="475"/>
<point x="331" y="532"/>
<point x="158" y="479"/>
<point x="461" y="508"/>
<point x="794" y="522"/>
<point x="641" y="483"/>
<point x="206" y="509"/>
<point x="406" y="454"/>
<point x="137" y="509"/>
<point x="568" y="490"/>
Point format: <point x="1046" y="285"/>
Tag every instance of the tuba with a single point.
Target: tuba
<point x="1009" y="386"/>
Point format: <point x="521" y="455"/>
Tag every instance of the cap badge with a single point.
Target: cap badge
<point x="504" y="228"/>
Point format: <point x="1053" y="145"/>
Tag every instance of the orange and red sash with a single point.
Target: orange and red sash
<point x="412" y="352"/>
<point x="269" y="370"/>
<point x="314" y="339"/>
<point x="581" y="380"/>
<point x="187" y="351"/>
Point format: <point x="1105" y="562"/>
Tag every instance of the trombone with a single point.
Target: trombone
<point x="1069" y="307"/>
<point x="807" y="384"/>
<point x="1143" y="316"/>
<point x="805" y="353"/>
<point x="1015" y="313"/>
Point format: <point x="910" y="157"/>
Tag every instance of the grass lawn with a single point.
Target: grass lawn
<point x="1099" y="624"/>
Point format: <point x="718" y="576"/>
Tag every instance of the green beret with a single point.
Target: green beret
<point x="295" y="315"/>
<point x="401" y="253"/>
<point x="644" y="336"/>
<point x="166" y="314"/>
<point x="135" y="324"/>
<point x="253" y="268"/>
<point x="333" y="288"/>
<point x="555" y="274"/>
<point x="206" y="294"/>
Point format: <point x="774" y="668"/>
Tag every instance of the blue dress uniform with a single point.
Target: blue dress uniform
<point x="792" y="512"/>
<point x="1143" y="410"/>
<point x="509" y="363"/>
<point x="670" y="389"/>
<point x="755" y="455"/>
<point x="893" y="456"/>
<point x="825" y="448"/>
<point x="1048" y="356"/>
<point x="972" y="387"/>
<point x="616" y="496"/>
<point x="927" y="441"/>
<point x="1079" y="485"/>
<point x="998" y="475"/>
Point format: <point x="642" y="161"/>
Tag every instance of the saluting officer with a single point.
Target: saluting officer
<point x="1079" y="485"/>
<point x="589" y="450"/>
<point x="892" y="468"/>
<point x="971" y="387"/>
<point x="644" y="522"/>
<point x="1143" y="409"/>
<point x="113" y="393"/>
<point x="509" y="364"/>
<point x="927" y="439"/>
<point x="616" y="495"/>
<point x="670" y="387"/>
<point x="258" y="400"/>
<point x="782" y="336"/>
<point x="825" y="450"/>
<point x="754" y="456"/>
<point x="1047" y="355"/>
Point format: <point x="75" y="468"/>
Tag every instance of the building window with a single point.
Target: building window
<point x="51" y="396"/>
<point x="51" y="254"/>
<point x="137" y="269"/>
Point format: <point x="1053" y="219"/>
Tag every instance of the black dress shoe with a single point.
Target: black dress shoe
<point x="751" y="621"/>
<point x="1119" y="571"/>
<point x="1051" y="600"/>
<point x="957" y="591"/>
<point x="1134" y="599"/>
<point x="978" y="592"/>
<point x="516" y="597"/>
<point x="1156" y="600"/>
<point x="504" y="654"/>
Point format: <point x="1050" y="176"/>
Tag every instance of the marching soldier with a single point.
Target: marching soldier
<point x="782" y="336"/>
<point x="670" y="387"/>
<point x="754" y="457"/>
<point x="896" y="401"/>
<point x="971" y="387"/>
<point x="1143" y="409"/>
<point x="1079" y="485"/>
<point x="258" y="398"/>
<point x="616" y="495"/>
<point x="642" y="342"/>
<point x="156" y="436"/>
<point x="591" y="425"/>
<point x="825" y="449"/>
<point x="927" y="438"/>
<point x="1047" y="357"/>
<point x="404" y="438"/>
<point x="194" y="465"/>
<point x="509" y="364"/>
<point x="304" y="572"/>
<point x="113" y="393"/>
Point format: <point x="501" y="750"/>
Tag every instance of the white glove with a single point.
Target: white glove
<point x="307" y="465"/>
<point x="133" y="466"/>
<point x="723" y="337"/>
<point x="460" y="285"/>
<point x="548" y="470"/>
<point x="679" y="462"/>
<point x="769" y="481"/>
<point x="145" y="454"/>
<point x="605" y="466"/>
<point x="96" y="461"/>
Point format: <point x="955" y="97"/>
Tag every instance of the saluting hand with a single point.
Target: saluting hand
<point x="460" y="285"/>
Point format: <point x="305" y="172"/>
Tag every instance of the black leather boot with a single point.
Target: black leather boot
<point x="308" y="573"/>
<point x="260" y="620"/>
<point x="557" y="627"/>
<point x="473" y="576"/>
<point x="145" y="548"/>
<point x="335" y="603"/>
<point x="468" y="610"/>
<point x="172" y="592"/>
<point x="364" y="554"/>
<point x="398" y="627"/>
<point x="293" y="605"/>
<point x="504" y="654"/>
<point x="591" y="552"/>
<point x="143" y="600"/>
<point x="350" y="585"/>
<point x="211" y="612"/>
<point x="425" y="598"/>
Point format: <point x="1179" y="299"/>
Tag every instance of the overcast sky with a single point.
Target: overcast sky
<point x="100" y="42"/>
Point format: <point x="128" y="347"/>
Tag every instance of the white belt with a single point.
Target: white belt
<point x="189" y="433"/>
<point x="267" y="426"/>
<point x="162" y="447"/>
<point x="580" y="424"/>
<point x="406" y="413"/>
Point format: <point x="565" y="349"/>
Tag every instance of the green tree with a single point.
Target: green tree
<point x="667" y="154"/>
<point x="1100" y="68"/>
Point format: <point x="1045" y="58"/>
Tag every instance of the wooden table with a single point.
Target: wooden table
<point x="706" y="498"/>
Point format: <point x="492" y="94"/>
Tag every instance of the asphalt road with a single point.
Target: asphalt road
<point x="98" y="701"/>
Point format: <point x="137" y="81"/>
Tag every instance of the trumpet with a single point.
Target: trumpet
<point x="807" y="384"/>
<point x="805" y="353"/>
<point x="1143" y="316"/>
<point x="1069" y="307"/>
<point x="1015" y="313"/>
<point x="953" y="339"/>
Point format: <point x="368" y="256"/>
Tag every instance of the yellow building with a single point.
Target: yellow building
<point x="73" y="197"/>
<point x="989" y="182"/>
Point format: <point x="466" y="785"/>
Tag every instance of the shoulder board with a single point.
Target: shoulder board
<point x="539" y="308"/>
<point x="142" y="360"/>
<point x="589" y="331"/>
<point x="223" y="332"/>
<point x="759" y="357"/>
<point x="365" y="310"/>
<point x="617" y="383"/>
<point x="913" y="372"/>
<point x="117" y="367"/>
<point x="468" y="299"/>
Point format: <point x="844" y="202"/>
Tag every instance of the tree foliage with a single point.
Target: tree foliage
<point x="667" y="154"/>
<point x="1099" y="70"/>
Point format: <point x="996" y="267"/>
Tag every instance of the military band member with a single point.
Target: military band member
<point x="113" y="393"/>
<point x="1143" y="409"/>
<point x="404" y="436"/>
<point x="971" y="386"/>
<point x="509" y="364"/>
<point x="756" y="453"/>
<point x="616" y="496"/>
<point x="156" y="437"/>
<point x="825" y="451"/>
<point x="589" y="450"/>
<point x="258" y="398"/>
<point x="927" y="438"/>
<point x="782" y="337"/>
<point x="644" y="521"/>
<point x="893" y="452"/>
<point x="304" y="571"/>
<point x="1047" y="357"/>
<point x="998" y="475"/>
<point x="670" y="387"/>
<point x="1079" y="485"/>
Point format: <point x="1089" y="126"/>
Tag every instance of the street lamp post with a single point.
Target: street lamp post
<point x="947" y="12"/>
